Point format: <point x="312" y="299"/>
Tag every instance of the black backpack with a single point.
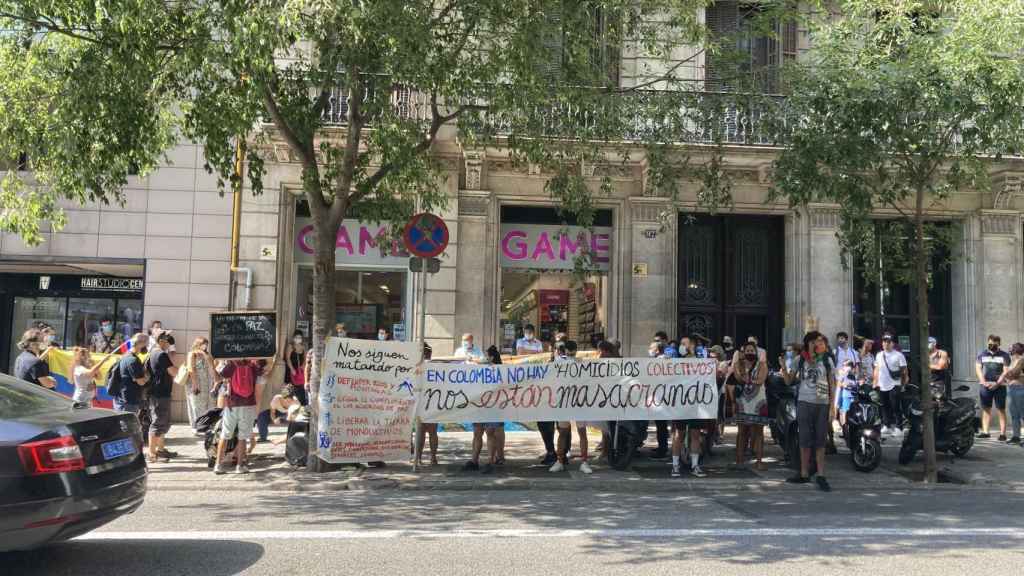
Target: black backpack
<point x="114" y="383"/>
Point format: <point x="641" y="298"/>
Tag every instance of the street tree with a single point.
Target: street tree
<point x="358" y="91"/>
<point x="899" y="106"/>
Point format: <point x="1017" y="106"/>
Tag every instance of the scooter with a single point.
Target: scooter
<point x="953" y="420"/>
<point x="296" y="447"/>
<point x="782" y="407"/>
<point x="863" y="429"/>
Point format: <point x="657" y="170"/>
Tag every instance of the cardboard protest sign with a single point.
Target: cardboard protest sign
<point x="605" y="389"/>
<point x="367" y="400"/>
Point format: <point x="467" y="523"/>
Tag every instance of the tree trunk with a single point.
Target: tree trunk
<point x="922" y="255"/>
<point x="325" y="233"/>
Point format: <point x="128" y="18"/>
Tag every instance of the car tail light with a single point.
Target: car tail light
<point x="51" y="456"/>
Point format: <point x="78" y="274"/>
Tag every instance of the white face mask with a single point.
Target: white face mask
<point x="382" y="336"/>
<point x="467" y="344"/>
<point x="528" y="335"/>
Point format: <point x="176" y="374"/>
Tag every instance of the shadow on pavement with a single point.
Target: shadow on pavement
<point x="148" y="557"/>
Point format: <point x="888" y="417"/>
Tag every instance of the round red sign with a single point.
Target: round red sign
<point x="426" y="235"/>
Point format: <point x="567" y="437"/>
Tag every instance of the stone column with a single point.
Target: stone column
<point x="1000" y="274"/>
<point x="829" y="284"/>
<point x="967" y="320"/>
<point x="651" y="303"/>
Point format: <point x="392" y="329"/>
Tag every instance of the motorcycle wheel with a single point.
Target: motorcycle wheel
<point x="866" y="458"/>
<point x="907" y="453"/>
<point x="622" y="451"/>
<point x="963" y="446"/>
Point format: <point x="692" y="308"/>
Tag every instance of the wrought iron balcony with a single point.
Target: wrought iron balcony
<point x="645" y="115"/>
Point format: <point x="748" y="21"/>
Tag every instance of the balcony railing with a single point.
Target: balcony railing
<point x="647" y="115"/>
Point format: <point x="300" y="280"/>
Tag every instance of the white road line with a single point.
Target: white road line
<point x="652" y="533"/>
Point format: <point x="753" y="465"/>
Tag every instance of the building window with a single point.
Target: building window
<point x="748" y="61"/>
<point x="882" y="302"/>
<point x="595" y="60"/>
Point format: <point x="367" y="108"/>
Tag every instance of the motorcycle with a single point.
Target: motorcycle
<point x="953" y="421"/>
<point x="626" y="437"/>
<point x="863" y="429"/>
<point x="782" y="407"/>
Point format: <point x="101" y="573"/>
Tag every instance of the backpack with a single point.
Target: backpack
<point x="114" y="383"/>
<point x="243" y="381"/>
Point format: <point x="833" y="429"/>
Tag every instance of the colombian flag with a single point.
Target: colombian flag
<point x="61" y="363"/>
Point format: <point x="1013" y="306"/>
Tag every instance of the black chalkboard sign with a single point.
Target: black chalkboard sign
<point x="248" y="334"/>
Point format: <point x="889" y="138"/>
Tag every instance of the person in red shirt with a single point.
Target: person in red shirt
<point x="239" y="409"/>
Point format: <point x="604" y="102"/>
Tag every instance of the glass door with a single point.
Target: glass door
<point x="29" y="312"/>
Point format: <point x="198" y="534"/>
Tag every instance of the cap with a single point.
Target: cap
<point x="932" y="340"/>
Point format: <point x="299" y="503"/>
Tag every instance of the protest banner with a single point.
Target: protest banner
<point x="367" y="400"/>
<point x="604" y="389"/>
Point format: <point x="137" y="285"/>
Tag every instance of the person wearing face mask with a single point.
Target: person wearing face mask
<point x="751" y="410"/>
<point x="200" y="380"/>
<point x="340" y="331"/>
<point x="815" y="374"/>
<point x="991" y="367"/>
<point x="28" y="366"/>
<point x="890" y="374"/>
<point x="529" y="344"/>
<point x="105" y="340"/>
<point x="938" y="366"/>
<point x="728" y="349"/>
<point x="294" y="372"/>
<point x="469" y="351"/>
<point x="382" y="335"/>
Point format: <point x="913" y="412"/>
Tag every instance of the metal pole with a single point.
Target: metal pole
<point x="421" y="337"/>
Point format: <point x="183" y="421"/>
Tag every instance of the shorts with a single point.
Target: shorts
<point x="812" y="424"/>
<point x="695" y="423"/>
<point x="844" y="400"/>
<point x="159" y="415"/>
<point x="997" y="396"/>
<point x="490" y="425"/>
<point x="238" y="418"/>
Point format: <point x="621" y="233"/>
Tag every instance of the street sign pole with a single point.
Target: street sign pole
<point x="421" y="329"/>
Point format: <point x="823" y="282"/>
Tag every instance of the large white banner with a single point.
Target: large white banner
<point x="367" y="399"/>
<point x="605" y="389"/>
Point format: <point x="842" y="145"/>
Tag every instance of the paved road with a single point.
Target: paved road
<point x="902" y="531"/>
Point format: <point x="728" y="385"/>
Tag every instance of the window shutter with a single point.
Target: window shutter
<point x="722" y="20"/>
<point x="551" y="67"/>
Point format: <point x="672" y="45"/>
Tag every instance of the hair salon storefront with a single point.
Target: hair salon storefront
<point x="74" y="306"/>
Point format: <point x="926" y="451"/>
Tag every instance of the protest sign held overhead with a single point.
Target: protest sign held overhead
<point x="367" y="399"/>
<point x="605" y="389"/>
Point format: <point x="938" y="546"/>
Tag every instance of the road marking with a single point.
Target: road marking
<point x="649" y="533"/>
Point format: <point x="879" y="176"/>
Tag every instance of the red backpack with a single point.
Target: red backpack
<point x="243" y="380"/>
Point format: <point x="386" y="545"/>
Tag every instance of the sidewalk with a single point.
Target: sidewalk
<point x="989" y="464"/>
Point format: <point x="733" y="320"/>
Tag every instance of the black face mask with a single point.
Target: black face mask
<point x="993" y="347"/>
<point x="751" y="357"/>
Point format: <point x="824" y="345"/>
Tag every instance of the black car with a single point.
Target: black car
<point x="64" y="469"/>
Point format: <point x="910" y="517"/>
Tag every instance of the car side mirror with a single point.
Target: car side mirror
<point x="963" y="388"/>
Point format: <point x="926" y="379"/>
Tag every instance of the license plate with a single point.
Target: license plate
<point x="118" y="448"/>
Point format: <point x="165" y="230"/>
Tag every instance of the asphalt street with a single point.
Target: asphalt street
<point x="939" y="531"/>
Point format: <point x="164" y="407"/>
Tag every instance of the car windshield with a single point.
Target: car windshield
<point x="19" y="399"/>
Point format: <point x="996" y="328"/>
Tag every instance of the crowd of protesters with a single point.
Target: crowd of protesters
<point x="825" y="379"/>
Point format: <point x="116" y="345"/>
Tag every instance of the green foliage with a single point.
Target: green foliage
<point x="899" y="100"/>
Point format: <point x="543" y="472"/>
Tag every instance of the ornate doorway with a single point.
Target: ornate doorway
<point x="731" y="278"/>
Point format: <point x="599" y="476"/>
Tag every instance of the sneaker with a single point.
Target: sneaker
<point x="557" y="467"/>
<point x="242" y="469"/>
<point x="1002" y="437"/>
<point x="548" y="460"/>
<point x="218" y="470"/>
<point x="983" y="435"/>
<point x="822" y="484"/>
<point x="471" y="466"/>
<point x="676" y="473"/>
<point x="585" y="468"/>
<point x="1015" y="440"/>
<point x="698" y="472"/>
<point x="164" y="453"/>
<point x="798" y="480"/>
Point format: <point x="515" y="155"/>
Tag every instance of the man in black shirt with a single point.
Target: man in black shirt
<point x="131" y="375"/>
<point x="992" y="364"/>
<point x="161" y="380"/>
<point x="28" y="366"/>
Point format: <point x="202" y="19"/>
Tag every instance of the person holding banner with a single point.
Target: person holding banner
<point x="425" y="430"/>
<point x="471" y="354"/>
<point x="815" y="373"/>
<point x="84" y="373"/>
<point x="567" y="353"/>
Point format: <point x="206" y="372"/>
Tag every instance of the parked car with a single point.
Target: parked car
<point x="65" y="469"/>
